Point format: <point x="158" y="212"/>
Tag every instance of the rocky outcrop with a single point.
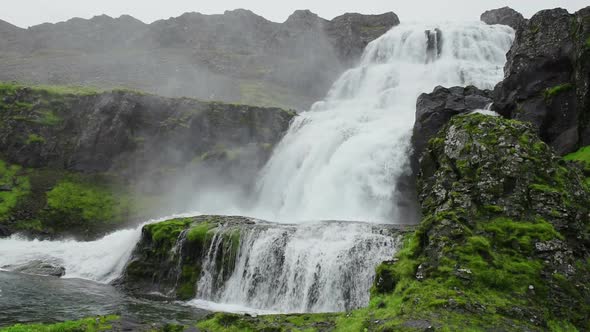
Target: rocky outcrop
<point x="504" y="219"/>
<point x="548" y="77"/>
<point x="130" y="133"/>
<point x="435" y="109"/>
<point x="235" y="57"/>
<point x="505" y="16"/>
<point x="82" y="162"/>
<point x="171" y="256"/>
<point x="351" y="32"/>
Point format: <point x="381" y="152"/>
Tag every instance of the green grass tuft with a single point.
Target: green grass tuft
<point x="558" y="89"/>
<point x="87" y="324"/>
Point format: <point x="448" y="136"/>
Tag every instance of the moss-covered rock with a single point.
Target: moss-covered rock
<point x="170" y="257"/>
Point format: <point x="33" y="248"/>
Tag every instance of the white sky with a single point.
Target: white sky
<point x="25" y="13"/>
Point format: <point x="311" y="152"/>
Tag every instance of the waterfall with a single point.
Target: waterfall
<point x="341" y="160"/>
<point x="320" y="267"/>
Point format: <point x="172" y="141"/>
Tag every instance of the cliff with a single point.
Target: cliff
<point x="77" y="159"/>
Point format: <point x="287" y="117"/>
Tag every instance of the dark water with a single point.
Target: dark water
<point x="28" y="298"/>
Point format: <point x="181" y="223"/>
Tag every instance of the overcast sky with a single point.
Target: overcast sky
<point x="25" y="13"/>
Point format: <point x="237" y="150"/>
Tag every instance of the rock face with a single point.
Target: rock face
<point x="548" y="78"/>
<point x="505" y="219"/>
<point x="82" y="162"/>
<point x="505" y="16"/>
<point x="130" y="133"/>
<point x="350" y="33"/>
<point x="434" y="110"/>
<point x="38" y="267"/>
<point x="235" y="57"/>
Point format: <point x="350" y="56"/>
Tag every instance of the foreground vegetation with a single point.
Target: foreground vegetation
<point x="88" y="324"/>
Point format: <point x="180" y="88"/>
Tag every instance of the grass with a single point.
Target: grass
<point x="79" y="201"/>
<point x="87" y="324"/>
<point x="16" y="187"/>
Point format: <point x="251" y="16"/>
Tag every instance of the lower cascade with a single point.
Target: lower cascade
<point x="311" y="268"/>
<point x="316" y="267"/>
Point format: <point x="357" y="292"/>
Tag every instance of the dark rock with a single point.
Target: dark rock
<point x="548" y="78"/>
<point x="482" y="170"/>
<point x="505" y="16"/>
<point x="434" y="110"/>
<point x="4" y="231"/>
<point x="134" y="135"/>
<point x="350" y="33"/>
<point x="39" y="267"/>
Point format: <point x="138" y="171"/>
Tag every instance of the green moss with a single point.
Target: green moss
<point x="588" y="43"/>
<point x="167" y="231"/>
<point x="35" y="139"/>
<point x="15" y="188"/>
<point x="103" y="323"/>
<point x="188" y="287"/>
<point x="582" y="155"/>
<point x="200" y="232"/>
<point x="77" y="201"/>
<point x="48" y="118"/>
<point x="558" y="89"/>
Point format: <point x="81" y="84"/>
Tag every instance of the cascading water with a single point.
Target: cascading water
<point x="320" y="267"/>
<point x="341" y="160"/>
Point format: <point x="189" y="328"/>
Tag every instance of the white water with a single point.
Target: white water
<point x="341" y="160"/>
<point x="102" y="260"/>
<point x="310" y="268"/>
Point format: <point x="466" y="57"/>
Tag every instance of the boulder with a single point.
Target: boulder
<point x="547" y="78"/>
<point x="505" y="16"/>
<point x="38" y="267"/>
<point x="435" y="109"/>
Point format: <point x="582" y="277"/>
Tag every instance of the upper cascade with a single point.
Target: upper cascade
<point x="342" y="159"/>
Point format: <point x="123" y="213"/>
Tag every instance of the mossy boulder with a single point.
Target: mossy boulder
<point x="170" y="256"/>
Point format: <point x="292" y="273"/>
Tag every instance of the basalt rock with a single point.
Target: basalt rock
<point x="505" y="16"/>
<point x="548" y="78"/>
<point x="82" y="162"/>
<point x="497" y="202"/>
<point x="435" y="109"/>
<point x="131" y="133"/>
